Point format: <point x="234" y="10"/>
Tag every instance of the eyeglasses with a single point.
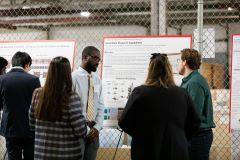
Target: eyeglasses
<point x="96" y="58"/>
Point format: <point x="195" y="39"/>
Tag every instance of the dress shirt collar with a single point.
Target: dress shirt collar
<point x="84" y="72"/>
<point x="16" y="68"/>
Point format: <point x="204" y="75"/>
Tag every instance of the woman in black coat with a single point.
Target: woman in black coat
<point x="159" y="116"/>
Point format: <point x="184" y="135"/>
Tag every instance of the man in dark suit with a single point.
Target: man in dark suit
<point x="16" y="89"/>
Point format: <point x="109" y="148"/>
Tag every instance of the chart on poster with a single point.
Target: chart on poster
<point x="125" y="63"/>
<point x="41" y="53"/>
<point x="235" y="81"/>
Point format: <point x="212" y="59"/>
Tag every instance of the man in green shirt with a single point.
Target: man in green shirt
<point x="197" y="87"/>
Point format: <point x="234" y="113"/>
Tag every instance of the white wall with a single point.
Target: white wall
<point x="220" y="33"/>
<point x="221" y="48"/>
<point x="171" y="31"/>
<point x="93" y="35"/>
<point x="234" y="28"/>
<point x="22" y="34"/>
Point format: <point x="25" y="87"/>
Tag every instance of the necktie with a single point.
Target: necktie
<point x="90" y="109"/>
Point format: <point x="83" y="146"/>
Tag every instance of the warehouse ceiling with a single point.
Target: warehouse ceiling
<point x="15" y="13"/>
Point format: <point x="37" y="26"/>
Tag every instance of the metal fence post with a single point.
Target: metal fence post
<point x="200" y="26"/>
<point x="162" y="17"/>
<point x="154" y="17"/>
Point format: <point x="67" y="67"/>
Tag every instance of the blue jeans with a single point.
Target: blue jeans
<point x="200" y="145"/>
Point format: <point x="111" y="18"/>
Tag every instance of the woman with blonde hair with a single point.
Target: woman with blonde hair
<point x="56" y="116"/>
<point x="159" y="116"/>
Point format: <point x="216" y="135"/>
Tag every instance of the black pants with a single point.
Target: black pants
<point x="90" y="151"/>
<point x="200" y="145"/>
<point x="20" y="148"/>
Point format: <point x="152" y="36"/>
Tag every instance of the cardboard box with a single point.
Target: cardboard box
<point x="215" y="75"/>
<point x="206" y="70"/>
<point x="108" y="153"/>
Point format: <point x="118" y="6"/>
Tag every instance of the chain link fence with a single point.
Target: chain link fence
<point x="69" y="19"/>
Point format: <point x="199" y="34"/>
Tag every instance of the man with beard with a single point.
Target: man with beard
<point x="197" y="87"/>
<point x="88" y="85"/>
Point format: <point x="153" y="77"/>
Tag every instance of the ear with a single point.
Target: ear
<point x="27" y="66"/>
<point x="184" y="63"/>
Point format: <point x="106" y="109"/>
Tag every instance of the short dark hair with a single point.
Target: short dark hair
<point x="21" y="59"/>
<point x="192" y="57"/>
<point x="89" y="50"/>
<point x="3" y="63"/>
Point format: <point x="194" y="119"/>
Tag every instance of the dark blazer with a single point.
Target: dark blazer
<point x="16" y="89"/>
<point x="160" y="120"/>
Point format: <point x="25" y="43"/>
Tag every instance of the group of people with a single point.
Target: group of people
<point x="169" y="122"/>
<point x="63" y="118"/>
<point x="60" y="120"/>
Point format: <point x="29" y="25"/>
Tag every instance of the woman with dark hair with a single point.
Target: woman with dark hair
<point x="56" y="116"/>
<point x="159" y="116"/>
<point x="3" y="65"/>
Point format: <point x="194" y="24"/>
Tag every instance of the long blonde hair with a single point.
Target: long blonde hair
<point x="160" y="72"/>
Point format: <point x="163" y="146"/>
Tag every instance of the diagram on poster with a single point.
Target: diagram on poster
<point x="41" y="53"/>
<point x="126" y="59"/>
<point x="235" y="81"/>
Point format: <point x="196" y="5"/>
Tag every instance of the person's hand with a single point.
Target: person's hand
<point x="91" y="124"/>
<point x="92" y="135"/>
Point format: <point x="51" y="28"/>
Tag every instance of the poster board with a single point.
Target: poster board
<point x="41" y="52"/>
<point x="235" y="81"/>
<point x="125" y="65"/>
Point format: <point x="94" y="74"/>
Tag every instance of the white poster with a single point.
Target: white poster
<point x="41" y="53"/>
<point x="126" y="59"/>
<point x="235" y="81"/>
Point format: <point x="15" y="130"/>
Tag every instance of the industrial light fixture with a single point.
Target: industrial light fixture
<point x="85" y="14"/>
<point x="230" y="8"/>
<point x="26" y="7"/>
